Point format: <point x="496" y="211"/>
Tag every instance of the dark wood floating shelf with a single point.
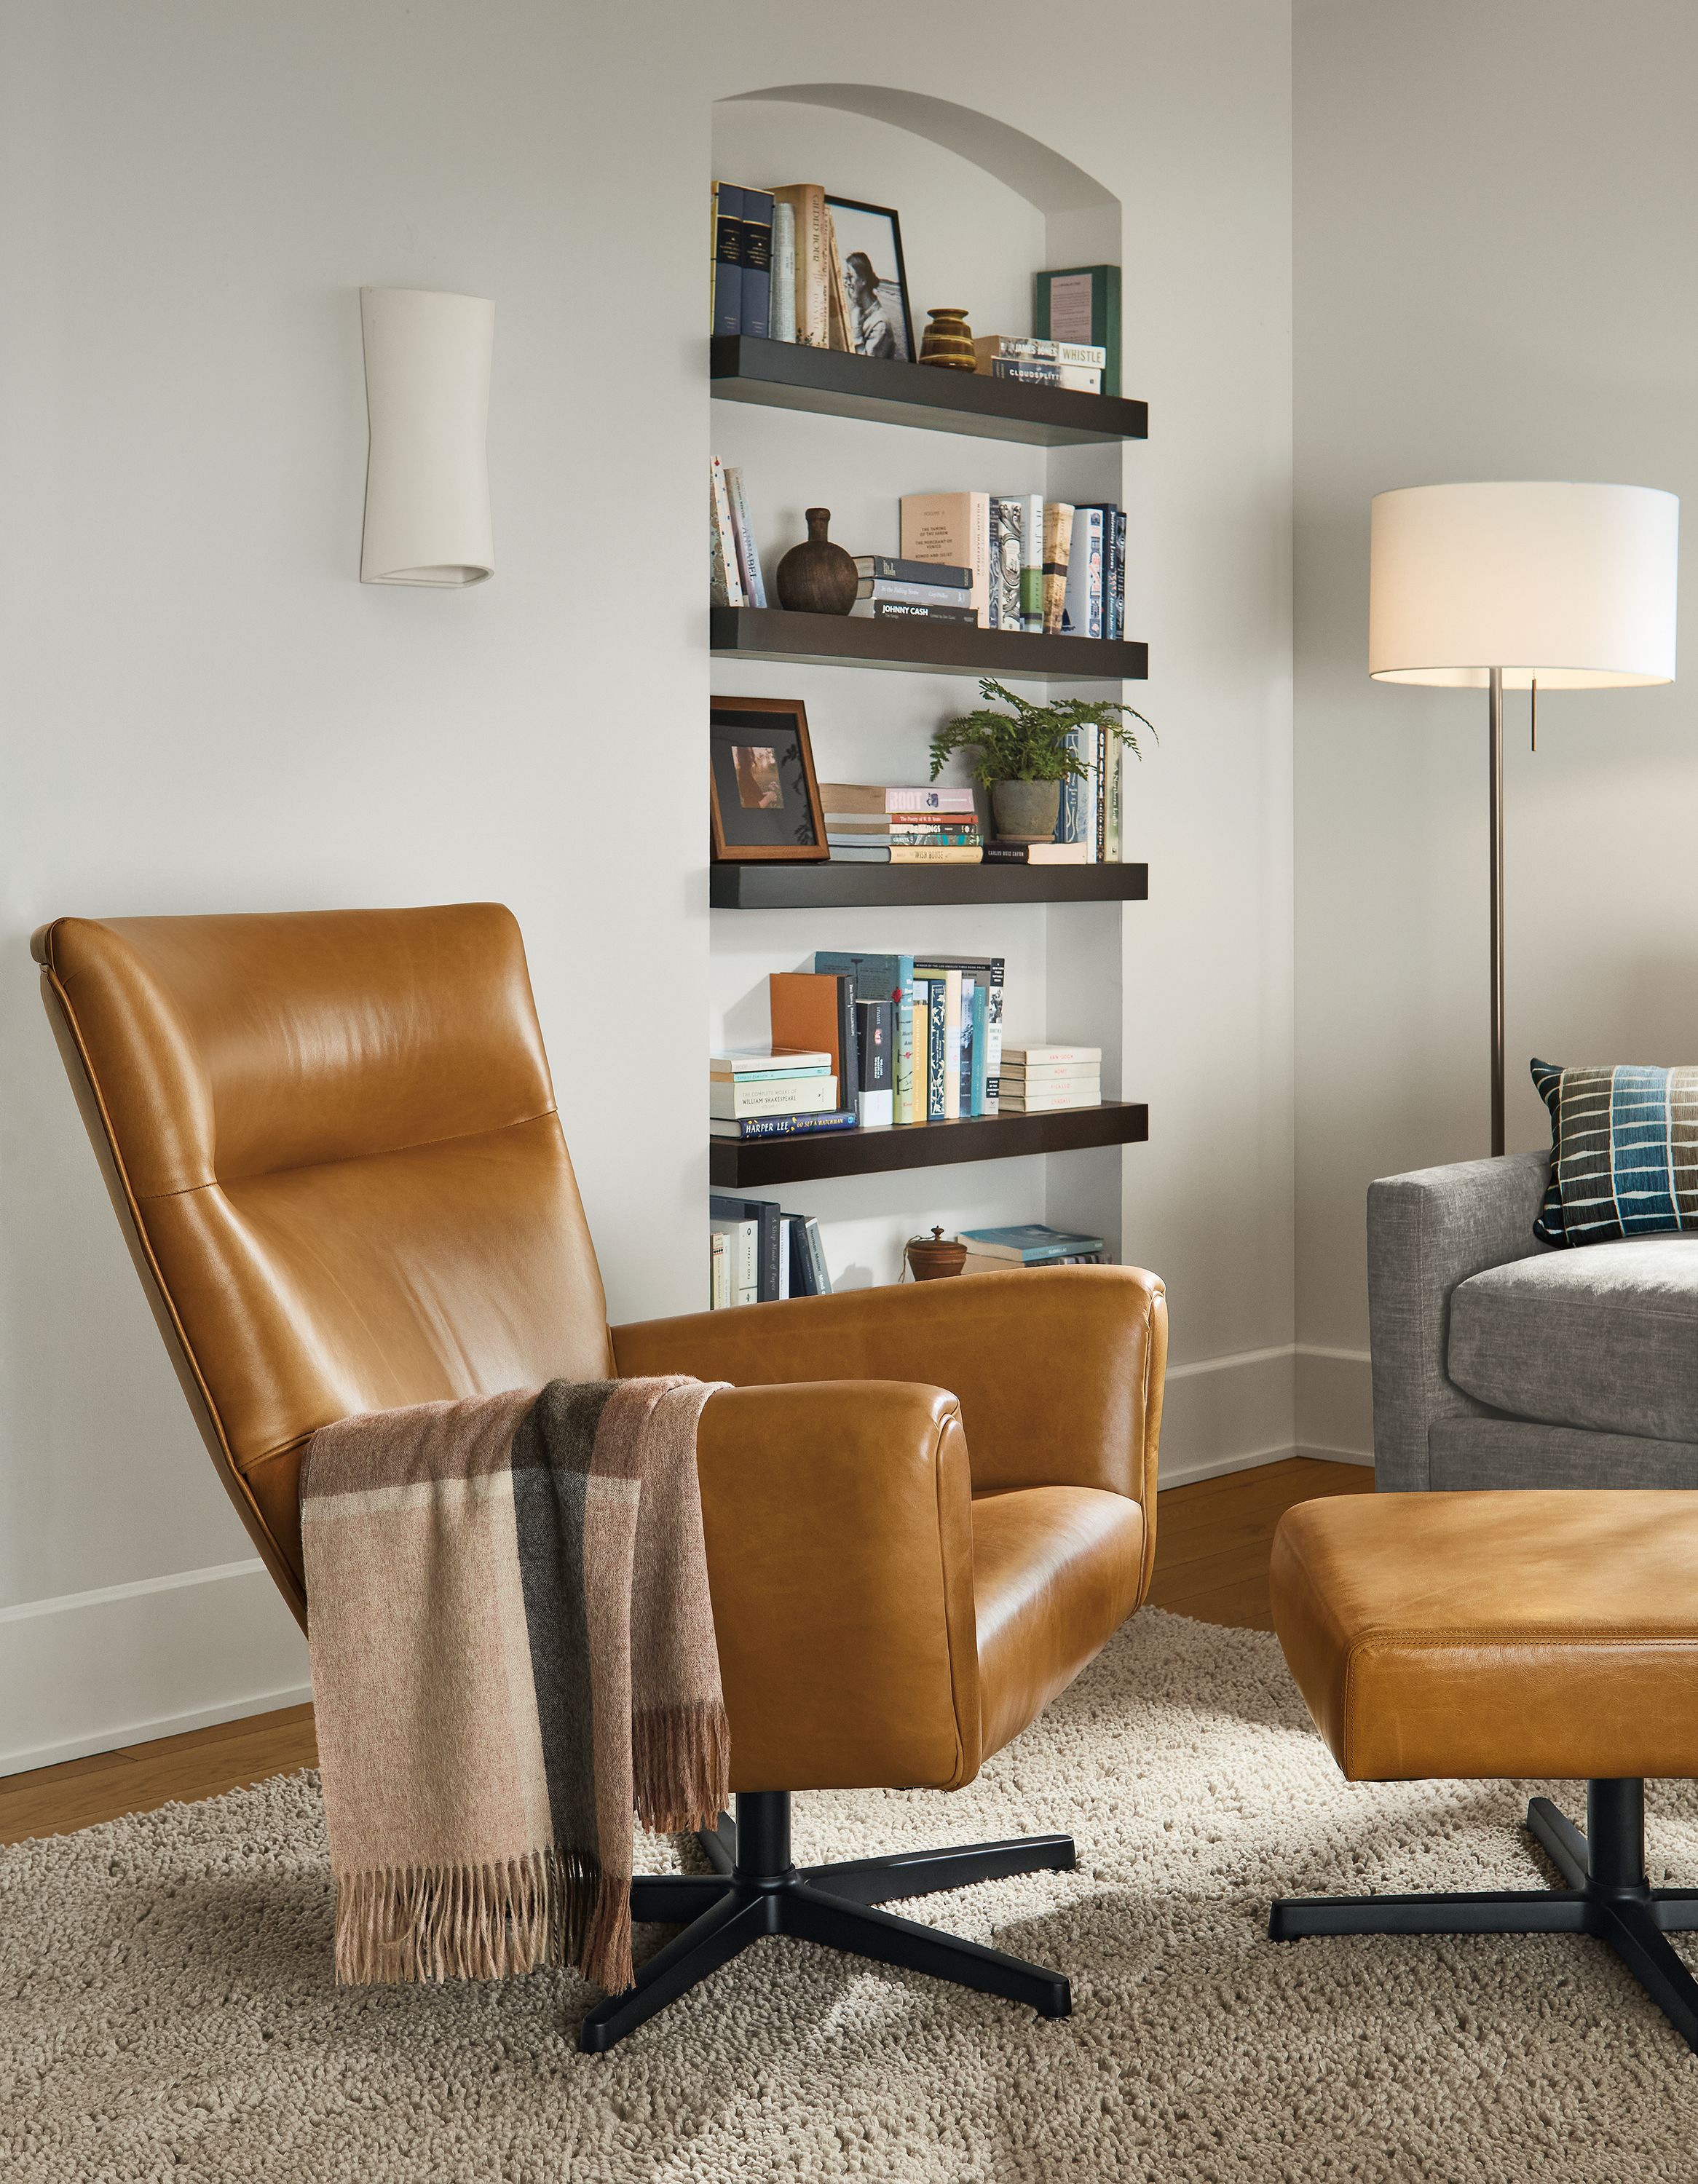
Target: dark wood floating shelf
<point x="766" y="1161"/>
<point x="931" y="648"/>
<point x="858" y="886"/>
<point x="785" y="375"/>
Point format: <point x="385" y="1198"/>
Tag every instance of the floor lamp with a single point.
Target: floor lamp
<point x="1521" y="586"/>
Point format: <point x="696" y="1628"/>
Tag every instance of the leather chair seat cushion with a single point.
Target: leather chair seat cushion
<point x="1541" y="1633"/>
<point x="1604" y="1338"/>
<point x="1055" y="1573"/>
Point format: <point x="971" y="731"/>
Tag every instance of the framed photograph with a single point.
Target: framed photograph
<point x="765" y="797"/>
<point x="875" y="282"/>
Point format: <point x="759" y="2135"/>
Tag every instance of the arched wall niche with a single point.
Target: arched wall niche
<point x="1081" y="218"/>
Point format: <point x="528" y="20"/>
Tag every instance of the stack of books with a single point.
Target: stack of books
<point x="867" y="825"/>
<point x="765" y="1093"/>
<point x="996" y="1250"/>
<point x="895" y="590"/>
<point x="739" y="290"/>
<point x="758" y="1254"/>
<point x="1049" y="567"/>
<point x="934" y="1025"/>
<point x="1075" y="365"/>
<point x="1037" y="1080"/>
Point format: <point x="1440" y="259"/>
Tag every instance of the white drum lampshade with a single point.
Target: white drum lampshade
<point x="1571" y="586"/>
<point x="427" y="360"/>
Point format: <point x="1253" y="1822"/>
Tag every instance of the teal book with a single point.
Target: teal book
<point x="981" y="1040"/>
<point x="1032" y="1245"/>
<point x="886" y="979"/>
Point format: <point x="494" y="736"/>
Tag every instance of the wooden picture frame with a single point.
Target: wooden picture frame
<point x="763" y="790"/>
<point x="873" y="234"/>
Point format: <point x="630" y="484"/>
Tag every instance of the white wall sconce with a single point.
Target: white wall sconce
<point x="427" y="358"/>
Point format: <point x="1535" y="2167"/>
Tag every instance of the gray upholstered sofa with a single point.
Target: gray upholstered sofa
<point x="1498" y="1361"/>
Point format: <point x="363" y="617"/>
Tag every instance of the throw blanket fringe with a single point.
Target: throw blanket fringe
<point x="512" y="1649"/>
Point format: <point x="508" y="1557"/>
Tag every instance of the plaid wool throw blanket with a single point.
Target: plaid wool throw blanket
<point x="512" y="1650"/>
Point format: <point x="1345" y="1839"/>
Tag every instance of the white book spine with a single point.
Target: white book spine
<point x="782" y="308"/>
<point x="719" y="1278"/>
<point x="726" y="579"/>
<point x="793" y="1096"/>
<point x="743" y="531"/>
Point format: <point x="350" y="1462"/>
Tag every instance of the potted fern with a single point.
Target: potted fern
<point x="1024" y="755"/>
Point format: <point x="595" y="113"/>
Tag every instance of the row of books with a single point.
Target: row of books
<point x="1076" y="367"/>
<point x="758" y="1254"/>
<point x="735" y="577"/>
<point x="777" y="270"/>
<point x="1052" y="566"/>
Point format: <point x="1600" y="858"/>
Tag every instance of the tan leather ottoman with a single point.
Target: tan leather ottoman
<point x="1464" y="1636"/>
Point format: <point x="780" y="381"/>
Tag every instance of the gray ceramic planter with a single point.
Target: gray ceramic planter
<point x="1025" y="811"/>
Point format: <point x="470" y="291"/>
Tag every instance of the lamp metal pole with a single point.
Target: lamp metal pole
<point x="1497" y="907"/>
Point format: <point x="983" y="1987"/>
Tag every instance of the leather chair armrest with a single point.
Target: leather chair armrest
<point x="839" y="1526"/>
<point x="1059" y="1372"/>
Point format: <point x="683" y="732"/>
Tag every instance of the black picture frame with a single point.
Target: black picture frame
<point x="858" y="226"/>
<point x="763" y="792"/>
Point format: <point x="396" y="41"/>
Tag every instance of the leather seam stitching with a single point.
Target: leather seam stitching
<point x="379" y="1152"/>
<point x="949" y="1636"/>
<point x="1524" y="1636"/>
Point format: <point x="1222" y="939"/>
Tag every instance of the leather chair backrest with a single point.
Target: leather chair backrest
<point x="331" y="1139"/>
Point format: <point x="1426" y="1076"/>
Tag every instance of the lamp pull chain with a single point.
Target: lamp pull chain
<point x="1532" y="713"/>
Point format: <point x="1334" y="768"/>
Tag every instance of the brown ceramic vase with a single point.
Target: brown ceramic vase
<point x="948" y="341"/>
<point x="817" y="577"/>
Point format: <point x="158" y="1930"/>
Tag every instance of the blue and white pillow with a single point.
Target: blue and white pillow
<point x="1623" y="1152"/>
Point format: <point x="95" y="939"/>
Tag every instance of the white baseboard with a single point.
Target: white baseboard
<point x="1225" y="1414"/>
<point x="89" y="1672"/>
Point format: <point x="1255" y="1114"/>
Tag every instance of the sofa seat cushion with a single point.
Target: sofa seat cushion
<point x="1605" y="1338"/>
<point x="1056" y="1571"/>
<point x="1541" y="1633"/>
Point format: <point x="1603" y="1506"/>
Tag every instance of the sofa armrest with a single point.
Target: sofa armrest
<point x="839" y="1525"/>
<point x="1428" y="1232"/>
<point x="1059" y="1373"/>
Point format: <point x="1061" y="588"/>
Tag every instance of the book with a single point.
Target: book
<point x="739" y="1242"/>
<point x="1083" y="356"/>
<point x="990" y="971"/>
<point x="1072" y="378"/>
<point x="1117" y="567"/>
<point x="1039" y="1055"/>
<point x="719" y="1269"/>
<point x="1030" y="1244"/>
<point x="1031" y="562"/>
<point x="1008" y="531"/>
<point x="807" y="201"/>
<point x="982" y="1074"/>
<point x="1058" y="538"/>
<point x="1052" y="1103"/>
<point x="965" y="1096"/>
<point x="1034" y="853"/>
<point x="757" y="239"/>
<point x="872" y="797"/>
<point x="764" y="1213"/>
<point x="943" y="1049"/>
<point x="1081" y="613"/>
<point x="846" y="856"/>
<point x="1081" y="303"/>
<point x="753" y="1095"/>
<point x="965" y="836"/>
<point x="783" y="304"/>
<point x="727" y="259"/>
<point x="766" y="1061"/>
<point x="812" y="1010"/>
<point x="924" y="595"/>
<point x="906" y="610"/>
<point x="922" y="1051"/>
<point x="837" y="299"/>
<point x="749" y="569"/>
<point x="783" y="1126"/>
<point x="875" y="1019"/>
<point x="953" y="529"/>
<point x="890" y="568"/>
<point x="890" y="978"/>
<point x="725" y="579"/>
<point x="903" y="854"/>
<point x="808" y="1275"/>
<point x="1039" y="1075"/>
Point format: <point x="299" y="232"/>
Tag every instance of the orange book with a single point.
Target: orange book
<point x="813" y="1011"/>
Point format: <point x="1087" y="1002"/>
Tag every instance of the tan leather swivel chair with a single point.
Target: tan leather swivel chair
<point x="332" y="1140"/>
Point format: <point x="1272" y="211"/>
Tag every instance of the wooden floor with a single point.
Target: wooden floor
<point x="1211" y="1562"/>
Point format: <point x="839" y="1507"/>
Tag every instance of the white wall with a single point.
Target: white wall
<point x="206" y="711"/>
<point x="1495" y="209"/>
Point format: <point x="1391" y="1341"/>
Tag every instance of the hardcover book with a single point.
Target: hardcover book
<point x="727" y="259"/>
<point x="924" y="595"/>
<point x="783" y="304"/>
<point x="875" y="1093"/>
<point x="1082" y="611"/>
<point x="987" y="971"/>
<point x="902" y="610"/>
<point x="749" y="569"/>
<point x="1057" y="540"/>
<point x="783" y="1126"/>
<point x="1030" y="1244"/>
<point x="1031" y="563"/>
<point x="1034" y="853"/>
<point x="890" y="568"/>
<point x="1007" y="528"/>
<point x="756" y="264"/>
<point x="761" y="1211"/>
<point x="887" y="978"/>
<point x="953" y="529"/>
<point x="725" y="581"/>
<point x="807" y="201"/>
<point x="754" y="1095"/>
<point x="813" y="1010"/>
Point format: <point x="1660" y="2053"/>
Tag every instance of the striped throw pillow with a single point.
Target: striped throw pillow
<point x="1623" y="1152"/>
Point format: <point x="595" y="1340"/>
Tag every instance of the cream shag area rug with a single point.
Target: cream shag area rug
<point x="169" y="2012"/>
